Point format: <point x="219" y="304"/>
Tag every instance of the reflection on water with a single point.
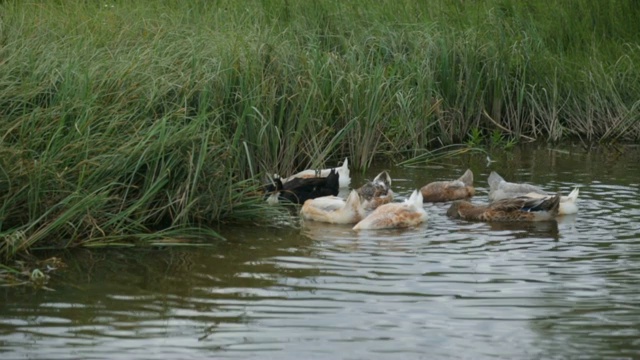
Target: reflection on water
<point x="449" y="289"/>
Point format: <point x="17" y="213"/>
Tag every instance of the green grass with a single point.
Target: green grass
<point x="153" y="122"/>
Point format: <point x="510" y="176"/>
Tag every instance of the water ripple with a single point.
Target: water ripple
<point x="449" y="289"/>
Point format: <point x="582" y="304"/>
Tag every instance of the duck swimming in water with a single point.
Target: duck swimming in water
<point x="500" y="189"/>
<point x="514" y="209"/>
<point x="396" y="215"/>
<point x="441" y="191"/>
<point x="343" y="172"/>
<point x="299" y="190"/>
<point x="333" y="209"/>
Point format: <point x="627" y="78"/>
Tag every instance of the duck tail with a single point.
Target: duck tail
<point x="415" y="199"/>
<point x="353" y="198"/>
<point x="345" y="165"/>
<point x="573" y="195"/>
<point x="345" y="174"/>
<point x="383" y="178"/>
<point x="467" y="178"/>
<point x="494" y="180"/>
<point x="354" y="202"/>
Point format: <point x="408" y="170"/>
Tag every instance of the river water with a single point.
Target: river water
<point x="448" y="290"/>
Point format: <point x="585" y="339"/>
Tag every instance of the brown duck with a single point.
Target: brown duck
<point x="514" y="209"/>
<point x="441" y="191"/>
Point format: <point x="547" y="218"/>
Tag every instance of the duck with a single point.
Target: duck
<point x="511" y="209"/>
<point x="343" y="172"/>
<point x="377" y="192"/>
<point x="500" y="189"/>
<point x="334" y="209"/>
<point x="396" y="215"/>
<point x="299" y="190"/>
<point x="442" y="191"/>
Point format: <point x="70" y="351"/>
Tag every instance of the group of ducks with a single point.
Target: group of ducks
<point x="371" y="206"/>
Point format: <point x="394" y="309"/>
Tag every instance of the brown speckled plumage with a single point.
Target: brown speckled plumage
<point x="377" y="192"/>
<point x="516" y="209"/>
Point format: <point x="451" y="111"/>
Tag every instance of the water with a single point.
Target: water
<point x="449" y="290"/>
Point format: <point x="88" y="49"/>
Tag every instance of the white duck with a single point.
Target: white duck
<point x="333" y="209"/>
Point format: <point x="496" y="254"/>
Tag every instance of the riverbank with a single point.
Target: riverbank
<point x="152" y="123"/>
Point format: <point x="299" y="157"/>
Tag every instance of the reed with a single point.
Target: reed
<point x="153" y="122"/>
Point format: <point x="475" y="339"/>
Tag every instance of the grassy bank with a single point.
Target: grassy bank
<point x="125" y="122"/>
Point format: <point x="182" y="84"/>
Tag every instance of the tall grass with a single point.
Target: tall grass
<point x="125" y="122"/>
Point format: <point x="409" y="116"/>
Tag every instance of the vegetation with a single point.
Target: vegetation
<point x="150" y="122"/>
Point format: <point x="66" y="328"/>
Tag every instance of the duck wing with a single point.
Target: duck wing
<point x="529" y="204"/>
<point x="510" y="205"/>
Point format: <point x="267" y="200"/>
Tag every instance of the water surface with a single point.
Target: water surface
<point x="447" y="290"/>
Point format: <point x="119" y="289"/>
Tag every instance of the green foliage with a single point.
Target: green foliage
<point x="475" y="137"/>
<point x="144" y="122"/>
<point x="496" y="139"/>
